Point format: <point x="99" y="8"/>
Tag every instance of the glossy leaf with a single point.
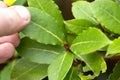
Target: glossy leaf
<point x="36" y="52"/>
<point x="76" y="26"/>
<point x="49" y="7"/>
<point x="107" y="13"/>
<point x="114" y="47"/>
<point x="89" y="41"/>
<point x="60" y="66"/>
<point x="25" y="70"/>
<point x="43" y="28"/>
<point x="83" y="10"/>
<point x="94" y="62"/>
<point x="116" y="73"/>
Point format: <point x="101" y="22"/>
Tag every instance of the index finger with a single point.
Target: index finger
<point x="13" y="19"/>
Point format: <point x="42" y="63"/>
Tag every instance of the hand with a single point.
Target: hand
<point x="12" y="20"/>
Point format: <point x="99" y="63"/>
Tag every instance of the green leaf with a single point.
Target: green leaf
<point x="114" y="47"/>
<point x="43" y="28"/>
<point x="76" y="26"/>
<point x="70" y="38"/>
<point x="6" y="72"/>
<point x="107" y="13"/>
<point x="116" y="72"/>
<point x="36" y="52"/>
<point x="21" y="35"/>
<point x="49" y="7"/>
<point x="89" y="41"/>
<point x="25" y="70"/>
<point x="83" y="10"/>
<point x="19" y="2"/>
<point x="73" y="73"/>
<point x="60" y="66"/>
<point x="94" y="62"/>
<point x="83" y="77"/>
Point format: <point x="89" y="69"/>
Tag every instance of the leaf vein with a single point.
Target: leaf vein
<point x="54" y="35"/>
<point x="26" y="71"/>
<point x="87" y="14"/>
<point x="61" y="63"/>
<point x="44" y="50"/>
<point x="117" y="20"/>
<point x="85" y="42"/>
<point x="40" y="5"/>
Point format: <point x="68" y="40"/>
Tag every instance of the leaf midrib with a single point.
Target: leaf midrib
<point x="114" y="49"/>
<point x="47" y="12"/>
<point x="85" y="42"/>
<point x="40" y="5"/>
<point x="61" y="64"/>
<point x="90" y="17"/>
<point x="26" y="72"/>
<point x="49" y="32"/>
<point x="43" y="50"/>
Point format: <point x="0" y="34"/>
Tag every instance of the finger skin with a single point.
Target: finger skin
<point x="6" y="52"/>
<point x="2" y="4"/>
<point x="6" y="49"/>
<point x="9" y="20"/>
<point x="12" y="20"/>
<point x="13" y="39"/>
<point x="23" y="12"/>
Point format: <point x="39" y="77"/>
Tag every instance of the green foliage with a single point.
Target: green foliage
<point x="107" y="13"/>
<point x="76" y="26"/>
<point x="60" y="66"/>
<point x="20" y="2"/>
<point x="75" y="49"/>
<point x="114" y="47"/>
<point x="25" y="70"/>
<point x="89" y="41"/>
<point x="91" y="61"/>
<point x="39" y="53"/>
<point x="83" y="10"/>
<point x="116" y="73"/>
<point x="40" y="26"/>
<point x="49" y="7"/>
<point x="5" y="73"/>
<point x="73" y="73"/>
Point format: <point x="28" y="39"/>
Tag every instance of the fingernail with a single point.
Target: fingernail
<point x="23" y="12"/>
